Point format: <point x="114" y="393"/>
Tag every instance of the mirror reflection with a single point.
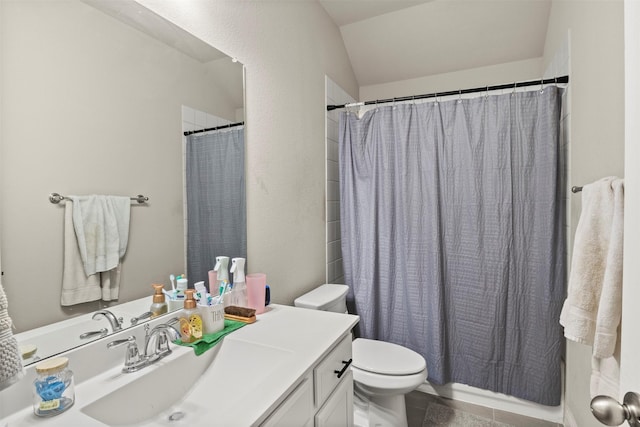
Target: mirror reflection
<point x="96" y="96"/>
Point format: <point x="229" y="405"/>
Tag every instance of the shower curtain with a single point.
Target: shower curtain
<point x="452" y="236"/>
<point x="216" y="202"/>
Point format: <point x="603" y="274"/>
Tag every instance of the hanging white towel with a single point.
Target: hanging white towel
<point x="592" y="310"/>
<point x="610" y="305"/>
<point x="77" y="287"/>
<point x="605" y="374"/>
<point x="102" y="229"/>
<point x="11" y="370"/>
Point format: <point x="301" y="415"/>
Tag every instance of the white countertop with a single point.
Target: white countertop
<point x="252" y="371"/>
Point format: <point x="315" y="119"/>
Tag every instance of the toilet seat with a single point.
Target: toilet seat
<point x="379" y="384"/>
<point x="385" y="358"/>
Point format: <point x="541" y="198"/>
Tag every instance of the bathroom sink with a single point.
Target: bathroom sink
<point x="183" y="386"/>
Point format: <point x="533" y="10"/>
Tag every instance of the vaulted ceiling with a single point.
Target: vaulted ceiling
<point x="392" y="40"/>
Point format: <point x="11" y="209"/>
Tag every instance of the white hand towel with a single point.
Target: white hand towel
<point x="589" y="263"/>
<point x="77" y="287"/>
<point x="11" y="370"/>
<point x="102" y="229"/>
<point x="592" y="311"/>
<point x="610" y="304"/>
<point x="605" y="374"/>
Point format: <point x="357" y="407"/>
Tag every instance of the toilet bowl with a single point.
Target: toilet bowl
<point x="382" y="372"/>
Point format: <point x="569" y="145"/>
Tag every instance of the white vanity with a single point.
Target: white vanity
<point x="289" y="368"/>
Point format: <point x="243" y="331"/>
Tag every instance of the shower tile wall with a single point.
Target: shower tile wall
<point x="193" y="119"/>
<point x="335" y="95"/>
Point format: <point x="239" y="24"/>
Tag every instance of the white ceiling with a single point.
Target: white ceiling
<point x="393" y="40"/>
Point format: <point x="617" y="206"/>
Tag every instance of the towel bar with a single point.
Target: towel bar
<point x="57" y="198"/>
<point x="576" y="189"/>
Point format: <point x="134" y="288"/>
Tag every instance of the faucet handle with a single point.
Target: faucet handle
<point x="145" y="315"/>
<point x="132" y="359"/>
<point x="162" y="345"/>
<point x="118" y="343"/>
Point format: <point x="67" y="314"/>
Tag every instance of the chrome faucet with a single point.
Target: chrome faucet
<point x="116" y="324"/>
<point x="160" y="335"/>
<point x="163" y="333"/>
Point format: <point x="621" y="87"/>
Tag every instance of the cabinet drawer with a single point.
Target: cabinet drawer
<point x="336" y="363"/>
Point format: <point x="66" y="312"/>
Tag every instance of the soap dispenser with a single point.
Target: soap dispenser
<point x="239" y="285"/>
<point x="159" y="305"/>
<point x="222" y="268"/>
<point x="190" y="319"/>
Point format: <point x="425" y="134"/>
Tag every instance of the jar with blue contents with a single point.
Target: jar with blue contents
<point x="53" y="388"/>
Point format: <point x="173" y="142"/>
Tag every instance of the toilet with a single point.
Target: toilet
<point x="382" y="372"/>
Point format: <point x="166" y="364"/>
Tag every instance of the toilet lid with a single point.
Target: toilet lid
<point x="386" y="358"/>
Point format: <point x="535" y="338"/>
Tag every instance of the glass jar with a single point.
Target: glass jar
<point x="53" y="388"/>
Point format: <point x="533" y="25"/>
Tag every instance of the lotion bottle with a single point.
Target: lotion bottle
<point x="239" y="285"/>
<point x="159" y="305"/>
<point x="190" y="319"/>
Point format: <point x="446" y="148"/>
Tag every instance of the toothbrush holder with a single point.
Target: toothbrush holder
<point x="212" y="317"/>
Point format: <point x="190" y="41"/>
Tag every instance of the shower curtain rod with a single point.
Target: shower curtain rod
<point x="554" y="80"/>
<point x="230" y="125"/>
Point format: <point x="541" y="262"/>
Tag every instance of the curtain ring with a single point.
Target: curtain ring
<point x="513" y="92"/>
<point x="459" y="96"/>
<point x="436" y="97"/>
<point x="541" y="85"/>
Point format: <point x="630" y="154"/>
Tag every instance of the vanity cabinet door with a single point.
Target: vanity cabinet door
<point x="338" y="409"/>
<point x="296" y="410"/>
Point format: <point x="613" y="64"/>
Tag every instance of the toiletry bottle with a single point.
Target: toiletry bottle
<point x="190" y="319"/>
<point x="201" y="293"/>
<point x="182" y="286"/>
<point x="239" y="285"/>
<point x="159" y="305"/>
<point x="222" y="268"/>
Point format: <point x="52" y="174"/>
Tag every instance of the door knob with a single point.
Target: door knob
<point x="612" y="413"/>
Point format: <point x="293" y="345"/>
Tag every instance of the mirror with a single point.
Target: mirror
<point x="95" y="97"/>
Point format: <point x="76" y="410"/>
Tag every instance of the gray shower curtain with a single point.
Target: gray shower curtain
<point x="216" y="202"/>
<point x="453" y="239"/>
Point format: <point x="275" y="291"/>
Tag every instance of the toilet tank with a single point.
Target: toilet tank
<point x="327" y="297"/>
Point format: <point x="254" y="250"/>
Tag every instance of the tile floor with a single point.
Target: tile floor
<point x="425" y="410"/>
